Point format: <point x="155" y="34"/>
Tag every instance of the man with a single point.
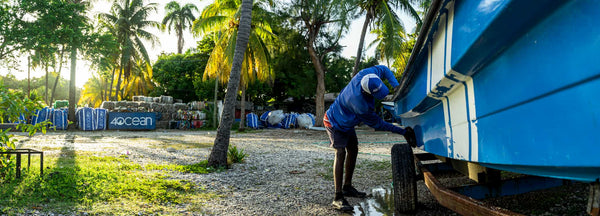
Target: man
<point x="355" y="104"/>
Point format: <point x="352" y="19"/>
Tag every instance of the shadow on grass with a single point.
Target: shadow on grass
<point x="57" y="189"/>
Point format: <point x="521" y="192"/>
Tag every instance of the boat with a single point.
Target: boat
<point x="510" y="85"/>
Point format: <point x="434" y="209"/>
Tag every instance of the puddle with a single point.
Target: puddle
<point x="380" y="203"/>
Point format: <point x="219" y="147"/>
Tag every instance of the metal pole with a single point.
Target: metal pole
<point x="18" y="165"/>
<point x="28" y="158"/>
<point x="41" y="164"/>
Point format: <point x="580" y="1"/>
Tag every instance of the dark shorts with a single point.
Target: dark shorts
<point x="341" y="139"/>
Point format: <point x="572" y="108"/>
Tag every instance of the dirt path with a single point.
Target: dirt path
<point x="287" y="172"/>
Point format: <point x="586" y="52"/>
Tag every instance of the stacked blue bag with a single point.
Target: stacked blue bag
<point x="22" y="119"/>
<point x="85" y="118"/>
<point x="45" y="114"/>
<point x="312" y="117"/>
<point x="290" y="121"/>
<point x="60" y="119"/>
<point x="91" y="119"/>
<point x="252" y="120"/>
<point x="100" y="119"/>
<point x="263" y="119"/>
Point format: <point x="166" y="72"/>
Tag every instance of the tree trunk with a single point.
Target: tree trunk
<point x="242" y="106"/>
<point x="28" y="76"/>
<point x="320" y="93"/>
<point x="112" y="79"/>
<point x="58" y="75"/>
<point x="116" y="98"/>
<point x="215" y="117"/>
<point x="179" y="39"/>
<point x="72" y="88"/>
<point x="361" y="43"/>
<point x="218" y="155"/>
<point x="46" y="85"/>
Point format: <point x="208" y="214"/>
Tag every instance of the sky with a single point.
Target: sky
<point x="168" y="42"/>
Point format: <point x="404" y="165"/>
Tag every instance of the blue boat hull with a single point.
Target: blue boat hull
<point x="510" y="85"/>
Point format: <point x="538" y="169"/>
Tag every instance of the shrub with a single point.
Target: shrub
<point x="236" y="156"/>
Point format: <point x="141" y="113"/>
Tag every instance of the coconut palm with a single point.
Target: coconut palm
<point x="179" y="18"/>
<point x="223" y="18"/>
<point x="391" y="42"/>
<point x="218" y="155"/>
<point x="129" y="20"/>
<point x="380" y="12"/>
<point x="139" y="83"/>
<point x="93" y="91"/>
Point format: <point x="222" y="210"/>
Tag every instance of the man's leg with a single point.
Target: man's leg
<point x="352" y="150"/>
<point x="338" y="169"/>
<point x="338" y="142"/>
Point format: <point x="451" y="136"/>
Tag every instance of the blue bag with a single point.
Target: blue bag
<point x="290" y="121"/>
<point x="85" y="118"/>
<point x="60" y="119"/>
<point x="100" y="119"/>
<point x="252" y="120"/>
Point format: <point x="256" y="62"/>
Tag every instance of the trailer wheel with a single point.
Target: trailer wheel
<point x="404" y="179"/>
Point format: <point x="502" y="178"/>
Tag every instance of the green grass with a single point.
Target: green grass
<point x="180" y="145"/>
<point x="327" y="169"/>
<point x="76" y="181"/>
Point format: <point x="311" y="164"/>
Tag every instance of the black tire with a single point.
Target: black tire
<point x="404" y="179"/>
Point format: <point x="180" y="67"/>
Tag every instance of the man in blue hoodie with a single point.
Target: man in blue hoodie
<point x="356" y="104"/>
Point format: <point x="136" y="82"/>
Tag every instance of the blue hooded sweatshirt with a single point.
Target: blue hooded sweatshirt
<point x="353" y="105"/>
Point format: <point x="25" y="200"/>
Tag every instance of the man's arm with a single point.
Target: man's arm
<point x="389" y="75"/>
<point x="374" y="121"/>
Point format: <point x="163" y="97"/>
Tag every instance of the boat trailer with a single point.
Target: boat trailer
<point x="408" y="167"/>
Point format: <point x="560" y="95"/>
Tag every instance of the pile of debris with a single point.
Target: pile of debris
<point x="164" y="107"/>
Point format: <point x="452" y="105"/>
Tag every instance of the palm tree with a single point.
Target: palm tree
<point x="223" y="17"/>
<point x="381" y="11"/>
<point x="218" y="155"/>
<point x="140" y="82"/>
<point x="179" y="18"/>
<point x="129" y="20"/>
<point x="93" y="91"/>
<point x="391" y="42"/>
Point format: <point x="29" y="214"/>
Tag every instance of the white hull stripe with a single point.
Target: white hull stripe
<point x="455" y="90"/>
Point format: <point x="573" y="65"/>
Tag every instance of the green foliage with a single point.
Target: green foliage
<point x="101" y="185"/>
<point x="236" y="156"/>
<point x="200" y="168"/>
<point x="37" y="86"/>
<point x="13" y="104"/>
<point x="175" y="75"/>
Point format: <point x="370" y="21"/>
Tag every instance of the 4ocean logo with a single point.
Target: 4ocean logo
<point x="132" y="121"/>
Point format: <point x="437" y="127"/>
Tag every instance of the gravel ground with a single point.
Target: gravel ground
<point x="288" y="172"/>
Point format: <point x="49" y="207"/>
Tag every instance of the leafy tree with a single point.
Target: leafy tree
<point x="175" y="74"/>
<point x="11" y="29"/>
<point x="13" y="104"/>
<point x="104" y="54"/>
<point x="179" y="18"/>
<point x="129" y="20"/>
<point x="389" y="27"/>
<point x="93" y="91"/>
<point x="218" y="155"/>
<point x="205" y="88"/>
<point x="323" y="23"/>
<point x="222" y="18"/>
